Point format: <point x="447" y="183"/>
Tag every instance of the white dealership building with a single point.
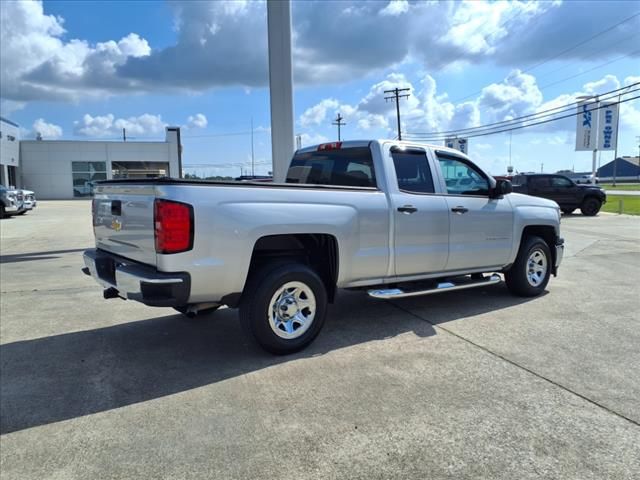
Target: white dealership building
<point x="9" y="153"/>
<point x="66" y="169"/>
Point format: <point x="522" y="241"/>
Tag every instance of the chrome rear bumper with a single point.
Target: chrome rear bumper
<point x="136" y="281"/>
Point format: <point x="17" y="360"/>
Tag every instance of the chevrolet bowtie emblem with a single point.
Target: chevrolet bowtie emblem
<point x="116" y="224"/>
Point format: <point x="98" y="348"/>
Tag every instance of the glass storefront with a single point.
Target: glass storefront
<point x="84" y="174"/>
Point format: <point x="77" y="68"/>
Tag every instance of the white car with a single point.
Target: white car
<point x="587" y="179"/>
<point x="28" y="201"/>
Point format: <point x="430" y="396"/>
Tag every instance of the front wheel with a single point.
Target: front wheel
<point x="590" y="207"/>
<point x="530" y="273"/>
<point x="284" y="307"/>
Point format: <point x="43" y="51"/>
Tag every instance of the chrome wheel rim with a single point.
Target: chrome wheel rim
<point x="536" y="268"/>
<point x="292" y="310"/>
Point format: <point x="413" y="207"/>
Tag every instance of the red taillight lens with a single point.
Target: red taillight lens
<point x="173" y="226"/>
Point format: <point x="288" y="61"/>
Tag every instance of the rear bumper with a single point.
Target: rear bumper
<point x="135" y="281"/>
<point x="11" y="208"/>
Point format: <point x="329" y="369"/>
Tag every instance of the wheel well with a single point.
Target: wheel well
<point x="318" y="251"/>
<point x="547" y="233"/>
<point x="595" y="197"/>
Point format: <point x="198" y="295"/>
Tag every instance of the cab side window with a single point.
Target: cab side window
<point x="462" y="178"/>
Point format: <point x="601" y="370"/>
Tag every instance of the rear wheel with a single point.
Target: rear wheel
<point x="284" y="307"/>
<point x="2" y="214"/>
<point x="590" y="206"/>
<point x="530" y="273"/>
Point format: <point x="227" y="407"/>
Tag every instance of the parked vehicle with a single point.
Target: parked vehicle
<point x="10" y="201"/>
<point x="371" y="215"/>
<point x="562" y="190"/>
<point x="587" y="179"/>
<point x="29" y="201"/>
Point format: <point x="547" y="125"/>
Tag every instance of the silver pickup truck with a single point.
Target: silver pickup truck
<point x="394" y="219"/>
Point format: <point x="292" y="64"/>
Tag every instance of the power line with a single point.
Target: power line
<point x="516" y="120"/>
<point x="396" y="96"/>
<point x="553" y="57"/>
<point x="538" y="123"/>
<point x="228" y="134"/>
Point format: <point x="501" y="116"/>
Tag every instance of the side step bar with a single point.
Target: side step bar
<point x="390" y="293"/>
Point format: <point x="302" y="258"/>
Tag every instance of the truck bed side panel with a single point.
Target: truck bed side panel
<point x="230" y="220"/>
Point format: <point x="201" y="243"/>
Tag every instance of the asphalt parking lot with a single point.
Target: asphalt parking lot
<point x="475" y="384"/>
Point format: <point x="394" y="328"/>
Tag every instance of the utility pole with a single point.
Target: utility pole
<point x="124" y="135"/>
<point x="542" y="168"/>
<point x="253" y="166"/>
<point x="339" y="123"/>
<point x="396" y="96"/>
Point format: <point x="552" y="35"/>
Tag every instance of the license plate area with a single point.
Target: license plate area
<point x="106" y="269"/>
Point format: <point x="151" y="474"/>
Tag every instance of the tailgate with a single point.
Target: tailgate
<point x="123" y="221"/>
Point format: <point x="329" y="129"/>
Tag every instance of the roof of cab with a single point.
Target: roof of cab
<point x="400" y="143"/>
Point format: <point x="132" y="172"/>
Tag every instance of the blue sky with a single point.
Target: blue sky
<point x="83" y="70"/>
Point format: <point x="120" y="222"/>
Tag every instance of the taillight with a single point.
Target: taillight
<point x="173" y="226"/>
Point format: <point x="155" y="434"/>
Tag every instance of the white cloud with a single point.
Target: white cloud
<point x="109" y="126"/>
<point x="199" y="120"/>
<point x="48" y="131"/>
<point x="395" y="8"/>
<point x="318" y="113"/>
<point x="308" y="139"/>
<point x="225" y="43"/>
<point x="38" y="63"/>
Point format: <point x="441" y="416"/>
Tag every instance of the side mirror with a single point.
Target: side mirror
<point x="503" y="187"/>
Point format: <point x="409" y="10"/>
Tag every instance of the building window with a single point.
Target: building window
<point x="11" y="138"/>
<point x="139" y="169"/>
<point x="84" y="176"/>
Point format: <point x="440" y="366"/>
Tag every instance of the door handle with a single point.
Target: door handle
<point x="407" y="209"/>
<point x="459" y="210"/>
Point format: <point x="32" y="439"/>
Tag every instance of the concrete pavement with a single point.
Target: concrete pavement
<point x="475" y="384"/>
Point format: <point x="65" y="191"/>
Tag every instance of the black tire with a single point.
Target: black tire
<point x="2" y="214"/>
<point x="22" y="212"/>
<point x="256" y="309"/>
<point x="590" y="206"/>
<point x="517" y="277"/>
<point x="568" y="211"/>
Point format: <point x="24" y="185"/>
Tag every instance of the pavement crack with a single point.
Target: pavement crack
<point x="517" y="365"/>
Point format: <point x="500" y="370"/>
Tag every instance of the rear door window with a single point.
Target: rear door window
<point x="539" y="182"/>
<point x="351" y="167"/>
<point x="412" y="171"/>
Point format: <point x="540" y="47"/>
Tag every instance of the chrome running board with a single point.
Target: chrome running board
<point x="441" y="287"/>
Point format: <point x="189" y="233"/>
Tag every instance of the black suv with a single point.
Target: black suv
<point x="562" y="190"/>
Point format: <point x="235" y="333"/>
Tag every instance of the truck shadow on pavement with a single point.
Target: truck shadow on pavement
<point x="29" y="257"/>
<point x="62" y="377"/>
